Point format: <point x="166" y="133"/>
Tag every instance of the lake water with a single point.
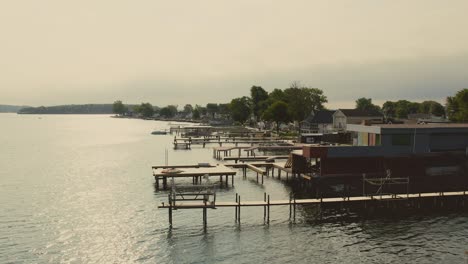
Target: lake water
<point x="78" y="189"/>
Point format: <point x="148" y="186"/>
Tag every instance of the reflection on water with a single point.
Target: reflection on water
<point x="79" y="189"/>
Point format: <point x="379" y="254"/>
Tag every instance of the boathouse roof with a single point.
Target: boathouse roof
<point x="321" y="117"/>
<point x="359" y="113"/>
<point x="409" y="128"/>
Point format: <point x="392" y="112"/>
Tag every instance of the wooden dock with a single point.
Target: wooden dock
<point x="224" y="171"/>
<point x="182" y="145"/>
<point x="196" y="172"/>
<point x="362" y="201"/>
<point x="261" y="173"/>
<point x="222" y="152"/>
<point x="206" y="141"/>
<point x="256" y="158"/>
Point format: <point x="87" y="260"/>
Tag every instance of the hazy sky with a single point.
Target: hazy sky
<point x="196" y="51"/>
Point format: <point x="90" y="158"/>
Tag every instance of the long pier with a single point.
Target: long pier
<point x="222" y="152"/>
<point x="235" y="142"/>
<point x="413" y="199"/>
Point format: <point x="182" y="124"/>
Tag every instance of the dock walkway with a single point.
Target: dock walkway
<point x="363" y="201"/>
<point x="196" y="172"/>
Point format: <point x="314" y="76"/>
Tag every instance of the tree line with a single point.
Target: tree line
<point x="455" y="109"/>
<point x="69" y="109"/>
<point x="296" y="103"/>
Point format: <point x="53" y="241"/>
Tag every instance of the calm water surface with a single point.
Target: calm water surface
<point x="78" y="189"/>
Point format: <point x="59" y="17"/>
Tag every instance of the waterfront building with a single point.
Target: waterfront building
<point x="343" y="117"/>
<point x="433" y="157"/>
<point x="320" y="122"/>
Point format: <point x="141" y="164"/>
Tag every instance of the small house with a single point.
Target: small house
<point x="320" y="122"/>
<point x="342" y="117"/>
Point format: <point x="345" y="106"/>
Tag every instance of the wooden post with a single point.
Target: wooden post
<point x="170" y="210"/>
<point x="232" y="180"/>
<point x="204" y="217"/>
<point x="294" y="208"/>
<point x="264" y="207"/>
<point x="262" y="178"/>
<point x="268" y="212"/>
<point x="239" y="209"/>
<point x="290" y="206"/>
<point x="235" y="216"/>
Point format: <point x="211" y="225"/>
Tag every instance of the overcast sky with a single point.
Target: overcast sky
<point x="195" y="51"/>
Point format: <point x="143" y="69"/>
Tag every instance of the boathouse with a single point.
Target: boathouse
<point x="343" y="117"/>
<point x="320" y="122"/>
<point x="432" y="156"/>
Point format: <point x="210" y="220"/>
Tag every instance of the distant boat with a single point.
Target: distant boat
<point x="159" y="132"/>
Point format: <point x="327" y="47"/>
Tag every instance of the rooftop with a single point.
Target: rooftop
<point x="321" y="117"/>
<point x="360" y="113"/>
<point x="403" y="128"/>
<point x="432" y="125"/>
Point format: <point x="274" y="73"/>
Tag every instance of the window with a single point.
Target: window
<point x="401" y="140"/>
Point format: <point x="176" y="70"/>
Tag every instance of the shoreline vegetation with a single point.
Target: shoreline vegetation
<point x="69" y="109"/>
<point x="279" y="108"/>
<point x="287" y="108"/>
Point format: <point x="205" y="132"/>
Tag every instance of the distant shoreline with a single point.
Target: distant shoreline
<point x="85" y="109"/>
<point x="158" y="119"/>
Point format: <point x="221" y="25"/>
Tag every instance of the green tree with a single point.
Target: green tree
<point x="165" y="112"/>
<point x="403" y="108"/>
<point x="202" y="110"/>
<point x="168" y="111"/>
<point x="389" y="109"/>
<point x="173" y="109"/>
<point x="302" y="101"/>
<point x="146" y="110"/>
<point x="457" y="106"/>
<point x="365" y="104"/>
<point x="240" y="109"/>
<point x="224" y="110"/>
<point x="188" y="108"/>
<point x="212" y="109"/>
<point x="258" y="96"/>
<point x="432" y="107"/>
<point x="119" y="108"/>
<point x="196" y="114"/>
<point x="276" y="95"/>
<point x="277" y="112"/>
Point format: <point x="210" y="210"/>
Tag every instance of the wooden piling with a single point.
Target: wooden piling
<point x="264" y="208"/>
<point x="235" y="216"/>
<point x="204" y="217"/>
<point x="170" y="210"/>
<point x="294" y="208"/>
<point x="239" y="210"/>
<point x="290" y="206"/>
<point x="268" y="212"/>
